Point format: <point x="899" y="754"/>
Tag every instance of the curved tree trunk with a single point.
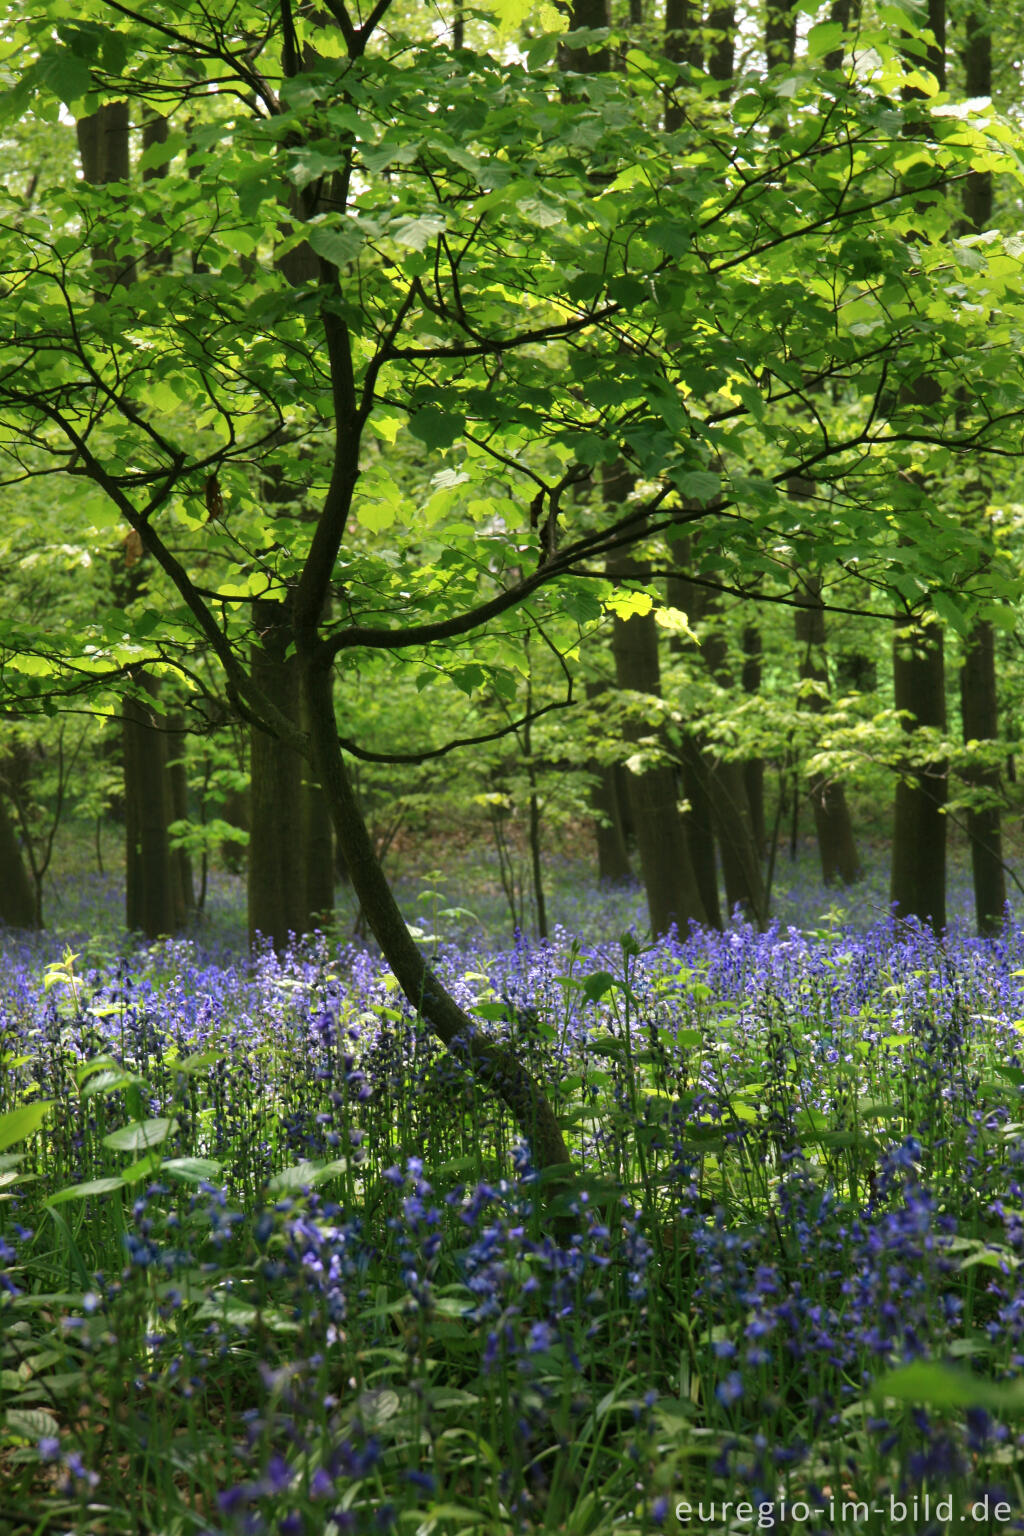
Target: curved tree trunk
<point x="492" y="1064"/>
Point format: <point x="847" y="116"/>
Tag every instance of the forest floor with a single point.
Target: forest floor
<point x="271" y="1263"/>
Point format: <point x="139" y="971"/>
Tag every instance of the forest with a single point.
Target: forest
<point x="511" y="847"/>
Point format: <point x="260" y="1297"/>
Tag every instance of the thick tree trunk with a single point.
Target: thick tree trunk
<point x="277" y="894"/>
<point x="587" y="13"/>
<point x="317" y="853"/>
<point x="727" y="790"/>
<point x="18" y="908"/>
<point x="700" y="826"/>
<point x="780" y="32"/>
<point x="669" y="880"/>
<point x="836" y="846"/>
<point x="153" y="897"/>
<point x="104" y="150"/>
<point x="919" y="684"/>
<point x="721" y="51"/>
<point x="919" y="826"/>
<point x="673" y="895"/>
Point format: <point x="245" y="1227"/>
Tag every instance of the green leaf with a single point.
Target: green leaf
<point x="193" y="1170"/>
<point x="66" y="75"/>
<point x="435" y="428"/>
<point x="597" y="984"/>
<point x="17" y="1124"/>
<point x="31" y="1423"/>
<point x="944" y="1386"/>
<point x="140" y="1136"/>
<point x="85" y="1191"/>
<point x="823" y="38"/>
<point x="698" y="485"/>
<point x="305" y="1176"/>
<point x="337" y="245"/>
<point x="415" y="233"/>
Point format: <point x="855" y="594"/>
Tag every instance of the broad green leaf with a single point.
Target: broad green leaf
<point x="944" y="1386"/>
<point x="18" y="1124"/>
<point x="141" y="1135"/>
<point x="435" y="427"/>
<point x="305" y="1175"/>
<point x="193" y="1170"/>
<point x="85" y="1191"/>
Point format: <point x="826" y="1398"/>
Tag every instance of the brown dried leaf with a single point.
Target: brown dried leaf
<point x="214" y="499"/>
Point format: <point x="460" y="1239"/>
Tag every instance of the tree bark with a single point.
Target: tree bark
<point x="836" y="846"/>
<point x="918" y="885"/>
<point x="727" y="791"/>
<point x="919" y="826"/>
<point x="104" y="149"/>
<point x="753" y="767"/>
<point x="979" y="713"/>
<point x="493" y="1064"/>
<point x="979" y="695"/>
<point x="151" y="878"/>
<point x="721" y="56"/>
<point x="277" y="894"/>
<point x="177" y="774"/>
<point x="612" y="854"/>
<point x="18" y="908"/>
<point x="669" y="879"/>
<point x="587" y="13"/>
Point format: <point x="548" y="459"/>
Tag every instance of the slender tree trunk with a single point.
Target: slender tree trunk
<point x="979" y="696"/>
<point x="695" y="768"/>
<point x="18" y="906"/>
<point x="612" y="854"/>
<point x="753" y="767"/>
<point x="177" y="772"/>
<point x="277" y="895"/>
<point x="493" y="1064"/>
<point x="979" y="713"/>
<point x="847" y="14"/>
<point x="836" y="846"/>
<point x="104" y="149"/>
<point x="151" y="882"/>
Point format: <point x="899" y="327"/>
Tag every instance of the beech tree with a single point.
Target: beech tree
<point x="374" y="244"/>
